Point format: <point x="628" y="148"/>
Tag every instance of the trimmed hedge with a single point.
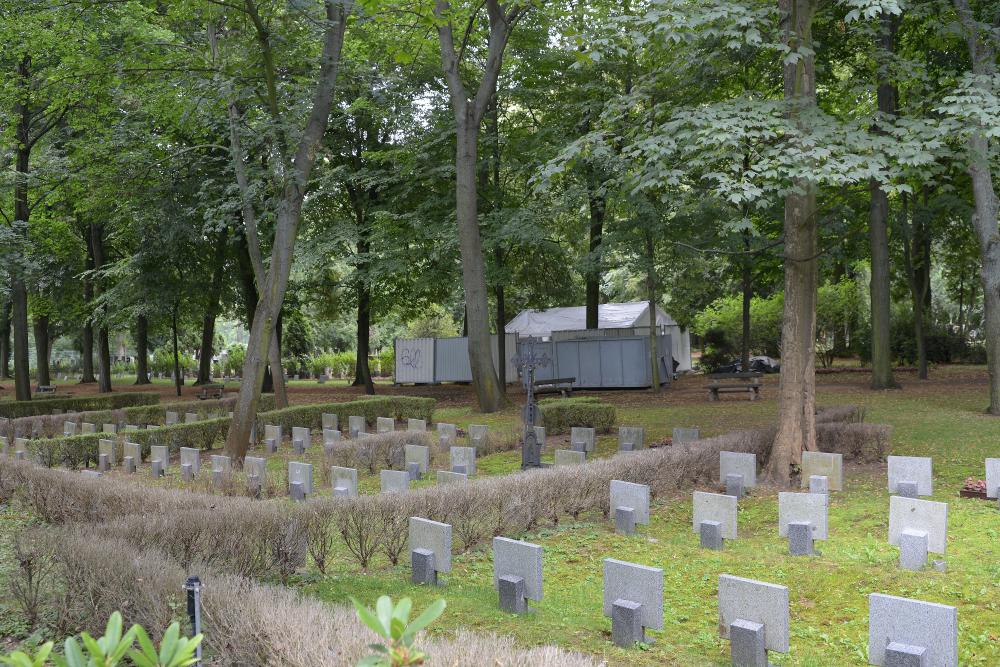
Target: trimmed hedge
<point x="398" y="407"/>
<point x="202" y="434"/>
<point x="75" y="451"/>
<point x="207" y="409"/>
<point x="45" y="406"/>
<point x="561" y="414"/>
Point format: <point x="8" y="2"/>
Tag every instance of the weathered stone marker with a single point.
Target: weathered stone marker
<point x="582" y="439"/>
<point x="394" y="481"/>
<point x="417" y="459"/>
<point x="910" y="476"/>
<point x="385" y="424"/>
<point x="714" y="518"/>
<point x="301" y="438"/>
<point x="631" y="438"/>
<point x="222" y="470"/>
<point x="190" y="463"/>
<point x="917" y="527"/>
<point x="464" y="457"/>
<point x="802" y="517"/>
<point x="904" y="632"/>
<point x="450" y="477"/>
<point x="630" y="505"/>
<point x="478" y="433"/>
<point x="738" y="463"/>
<point x="753" y="616"/>
<point x="517" y="573"/>
<point x="345" y="481"/>
<point x="430" y="550"/>
<point x="299" y="479"/>
<point x="255" y="468"/>
<point x="685" y="436"/>
<point x="569" y="457"/>
<point x="330" y="421"/>
<point x="418" y="425"/>
<point x="824" y="464"/>
<point x="355" y="426"/>
<point x="633" y="598"/>
<point x="447" y="435"/>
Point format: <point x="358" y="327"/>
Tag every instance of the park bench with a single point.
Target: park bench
<point x="45" y="389"/>
<point x="211" y="391"/>
<point x="562" y="386"/>
<point x="729" y="383"/>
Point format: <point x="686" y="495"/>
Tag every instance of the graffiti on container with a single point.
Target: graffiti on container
<point x="411" y="357"/>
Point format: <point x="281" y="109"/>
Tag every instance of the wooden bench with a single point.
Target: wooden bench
<point x="211" y="391"/>
<point x="562" y="386"/>
<point x="748" y="383"/>
<point x="45" y="389"/>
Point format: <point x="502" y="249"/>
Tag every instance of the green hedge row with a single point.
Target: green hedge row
<point x="157" y="414"/>
<point x="45" y="406"/>
<point x="561" y="414"/>
<point x="371" y="407"/>
<point x="201" y="434"/>
<point x="76" y="451"/>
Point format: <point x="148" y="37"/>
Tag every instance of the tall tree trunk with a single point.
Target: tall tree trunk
<point x="362" y="371"/>
<point x="87" y="336"/>
<point x="141" y="350"/>
<point x="501" y="298"/>
<point x="597" y="205"/>
<point x="654" y="352"/>
<point x="878" y="234"/>
<point x="178" y="378"/>
<point x="913" y="280"/>
<point x="212" y="310"/>
<point x="41" y="329"/>
<point x="797" y="386"/>
<point x="746" y="278"/>
<point x="19" y="292"/>
<point x="5" y="341"/>
<point x="103" y="345"/>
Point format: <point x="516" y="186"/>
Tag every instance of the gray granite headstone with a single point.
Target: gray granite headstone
<point x="91" y="473"/>
<point x="569" y="457"/>
<point x="756" y="601"/>
<point x="191" y="456"/>
<point x="540" y="436"/>
<point x="684" y="436"/>
<point x="826" y="464"/>
<point x="222" y="467"/>
<point x="256" y="466"/>
<point x="518" y="559"/>
<point x="631" y="438"/>
<point x="715" y="507"/>
<point x="636" y="496"/>
<point x="345" y="478"/>
<point x="418" y="425"/>
<point x="394" y="481"/>
<point x="919" y="515"/>
<point x="273" y="432"/>
<point x="301" y="473"/>
<point x="385" y="425"/>
<point x="477" y="435"/>
<point x="418" y="454"/>
<point x="171" y="418"/>
<point x="896" y="620"/>
<point x="992" y="478"/>
<point x="190" y="417"/>
<point x="636" y="583"/>
<point x="87" y="427"/>
<point x="302" y="433"/>
<point x="464" y="456"/>
<point x="582" y="439"/>
<point x="803" y="507"/>
<point x="109" y="428"/>
<point x="69" y="428"/>
<point x="134" y="450"/>
<point x="330" y="436"/>
<point x="911" y="469"/>
<point x="435" y="537"/>
<point x="447" y="434"/>
<point x="160" y="453"/>
<point x="108" y="448"/>
<point x="819" y="484"/>
<point x="738" y="463"/>
<point x="330" y="421"/>
<point x="450" y="477"/>
<point x="355" y="426"/>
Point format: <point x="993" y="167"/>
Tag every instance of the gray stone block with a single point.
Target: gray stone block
<point x="330" y="436"/>
<point x="478" y="433"/>
<point x="385" y="424"/>
<point x="566" y="457"/>
<point x="190" y="417"/>
<point x="298" y="446"/>
<point x="297" y="491"/>
<point x="582" y="439"/>
<point x="447" y="435"/>
<point x="341" y="492"/>
<point x="156" y="468"/>
<point x="819" y="484"/>
<point x="715" y="507"/>
<point x="160" y="453"/>
<point x="192" y="457"/>
<point x="747" y="644"/>
<point x="419" y="455"/>
<point x="463" y="456"/>
<point x="907" y="489"/>
<point x="394" y="481"/>
<point x="91" y="473"/>
<point x="928" y="625"/>
<point x="911" y="469"/>
<point x="758" y="602"/>
<point x="710" y="533"/>
<point x="102" y="462"/>
<point x="685" y="436"/>
<point x="270" y="445"/>
<point x="128" y="463"/>
<point x="992" y="478"/>
<point x="171" y="418"/>
<point x="511" y="591"/>
<point x="418" y="425"/>
<point x="187" y="472"/>
<point x="939" y="566"/>
<point x="628" y="494"/>
<point x="921" y="515"/>
<point x="738" y="463"/>
<point x="273" y="432"/>
<point x="451" y="476"/>
<point x="800" y="538"/>
<point x="355" y="425"/>
<point x="626" y="623"/>
<point x="301" y="473"/>
<point x="302" y="434"/>
<point x="636" y="583"/>
<point x="330" y="421"/>
<point x="913" y="549"/>
<point x="905" y="655"/>
<point x="734" y="485"/>
<point x="518" y="559"/>
<point x="625" y="520"/>
<point x="413" y="470"/>
<point x="631" y="438"/>
<point x="422" y="570"/>
<point x="459" y="470"/>
<point x="109" y="428"/>
<point x="811" y="508"/>
<point x="433" y="536"/>
<point x="87" y="427"/>
<point x="824" y="464"/>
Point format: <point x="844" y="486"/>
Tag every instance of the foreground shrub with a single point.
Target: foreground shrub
<point x="45" y="406"/>
<point x="392" y="623"/>
<point x="559" y="415"/>
<point x="75" y="451"/>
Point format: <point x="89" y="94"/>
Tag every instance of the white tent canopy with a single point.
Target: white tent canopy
<point x="541" y="324"/>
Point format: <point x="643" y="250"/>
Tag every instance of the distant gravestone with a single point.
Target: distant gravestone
<point x="824" y="464"/>
<point x="299" y="479"/>
<point x="430" y="550"/>
<point x="160" y="453"/>
<point x="4" y="445"/>
<point x="394" y="481"/>
<point x="582" y="439"/>
<point x="902" y="631"/>
<point x="908" y="471"/>
<point x="802" y="518"/>
<point x="190" y="417"/>
<point x="992" y="478"/>
<point x="738" y="463"/>
<point x="684" y="436"/>
<point x="272" y="438"/>
<point x="109" y="428"/>
<point x="171" y="418"/>
<point x="629" y="505"/>
<point x="753" y="616"/>
<point x="633" y="598"/>
<point x="917" y="527"/>
<point x="385" y="424"/>
<point x="69" y="428"/>
<point x="87" y="427"/>
<point x="714" y="516"/>
<point x="330" y="436"/>
<point x="463" y="459"/>
<point x="447" y="434"/>
<point x="569" y="457"/>
<point x="355" y="426"/>
<point x="255" y="468"/>
<point x="419" y="425"/>
<point x="301" y="438"/>
<point x="330" y="421"/>
<point x="134" y="450"/>
<point x="108" y="448"/>
<point x="344" y="480"/>
<point x="190" y="462"/>
<point x="539" y="436"/>
<point x="222" y="469"/>
<point x="91" y="473"/>
<point x="477" y="435"/>
<point x="517" y="573"/>
<point x="450" y="477"/>
<point x="631" y="438"/>
<point x="419" y="456"/>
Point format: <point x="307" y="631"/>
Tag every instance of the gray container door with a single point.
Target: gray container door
<point x="568" y="361"/>
<point x="589" y="363"/>
<point x="612" y="372"/>
<point x="635" y="363"/>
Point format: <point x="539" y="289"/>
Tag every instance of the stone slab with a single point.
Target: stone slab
<point x="330" y="421"/>
<point x="922" y="515"/>
<point x="539" y="435"/>
<point x="160" y="453"/>
<point x="518" y="559"/>
<point x="636" y="583"/>
<point x="222" y="464"/>
<point x="758" y="602"/>
<point x="301" y="473"/>
<point x="110" y="449"/>
<point x="992" y="478"/>
<point x="826" y="464"/>
<point x="435" y="537"/>
<point x="171" y="418"/>
<point x="636" y="496"/>
<point x="418" y="454"/>
<point x="464" y="456"/>
<point x="738" y="463"/>
<point x="915" y="622"/>
<point x="911" y="469"/>
<point x="256" y="466"/>
<point x="385" y="425"/>
<point x="345" y="477"/>
<point x="134" y="450"/>
<point x="631" y="438"/>
<point x="715" y="507"/>
<point x="418" y="425"/>
<point x="87" y="427"/>
<point x="394" y="481"/>
<point x="447" y="434"/>
<point x="302" y="433"/>
<point x="569" y="457"/>
<point x="683" y="436"/>
<point x="191" y="456"/>
<point x="331" y="435"/>
<point x="582" y="438"/>
<point x="272" y="432"/>
<point x="109" y="428"/>
<point x="190" y="417"/>
<point x="355" y="425"/>
<point x="451" y="477"/>
<point x="804" y="507"/>
<point x="478" y="434"/>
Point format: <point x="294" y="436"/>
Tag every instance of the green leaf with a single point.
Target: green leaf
<point x="74" y="656"/>
<point x="370" y="620"/>
<point x="426" y="618"/>
<point x="402" y="610"/>
<point x="383" y="607"/>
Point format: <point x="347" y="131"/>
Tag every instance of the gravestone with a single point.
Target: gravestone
<point x="330" y="421"/>
<point x="819" y="484"/>
<point x="419" y="456"/>
<point x="633" y="598"/>
<point x="91" y="473"/>
<point x="569" y="457"/>
<point x="802" y="518"/>
<point x="109" y="428"/>
<point x="160" y="453"/>
<point x="222" y="469"/>
<point x="629" y="505"/>
<point x="992" y="478"/>
<point x="763" y="610"/>
<point x="301" y="438"/>
<point x="190" y="417"/>
<point x="69" y="428"/>
<point x="4" y="445"/>
<point x="272" y="438"/>
<point x="903" y="632"/>
<point x="582" y="439"/>
<point x="355" y="426"/>
<point x="430" y="550"/>
<point x="300" y="477"/>
<point x="824" y="464"/>
<point x="917" y="527"/>
<point x="738" y="463"/>
<point x="517" y="573"/>
<point x="394" y="481"/>
<point x="539" y="432"/>
<point x="527" y="360"/>
<point x="255" y="468"/>
<point x="344" y="480"/>
<point x="714" y="518"/>
<point x="87" y="427"/>
<point x="418" y="425"/>
<point x="909" y="471"/>
<point x="108" y="448"/>
<point x="447" y="434"/>
<point x="477" y="435"/>
<point x="463" y="459"/>
<point x="190" y="463"/>
<point x="134" y="450"/>
<point x="450" y="477"/>
<point x="685" y="436"/>
<point x="330" y="436"/>
<point x="631" y="438"/>
<point x="385" y="424"/>
<point x="171" y="418"/>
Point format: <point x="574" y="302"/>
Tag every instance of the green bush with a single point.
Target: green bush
<point x="45" y="406"/>
<point x="203" y="434"/>
<point x="75" y="451"/>
<point x="561" y="414"/>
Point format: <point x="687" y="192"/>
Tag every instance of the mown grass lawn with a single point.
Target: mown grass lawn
<point x="829" y="609"/>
